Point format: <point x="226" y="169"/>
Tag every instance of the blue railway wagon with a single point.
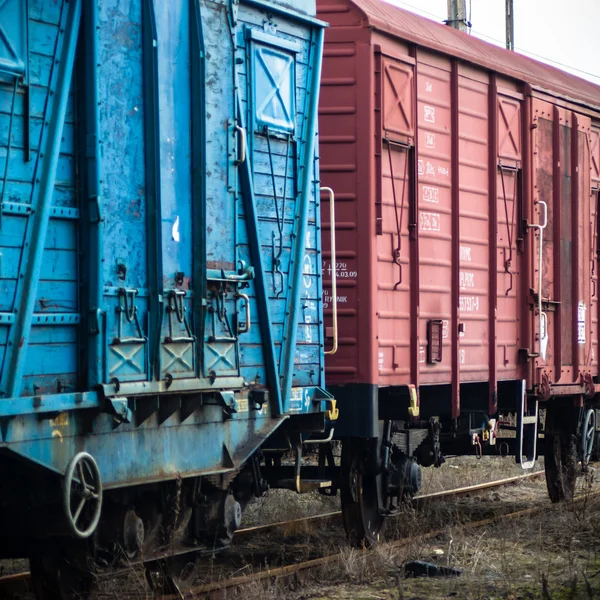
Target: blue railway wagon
<point x="160" y="271"/>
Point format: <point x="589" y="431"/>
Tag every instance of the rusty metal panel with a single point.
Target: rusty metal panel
<point x="593" y="145"/>
<point x="544" y="175"/>
<point x="582" y="312"/>
<point x="594" y="280"/>
<point x="563" y="174"/>
<point x="594" y="149"/>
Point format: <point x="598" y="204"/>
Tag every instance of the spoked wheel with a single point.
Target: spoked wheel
<point x="62" y="572"/>
<point x="560" y="463"/>
<point x="363" y="521"/>
<point x="82" y="495"/>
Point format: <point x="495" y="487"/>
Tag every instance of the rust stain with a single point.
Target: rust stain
<point x="220" y="264"/>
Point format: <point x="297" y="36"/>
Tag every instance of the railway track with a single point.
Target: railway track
<point x="20" y="582"/>
<point x="284" y="572"/>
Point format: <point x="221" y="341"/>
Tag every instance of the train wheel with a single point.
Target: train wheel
<point x="359" y="491"/>
<point x="61" y="573"/>
<point x="560" y="463"/>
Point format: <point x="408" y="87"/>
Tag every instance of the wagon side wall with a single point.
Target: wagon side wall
<point x="346" y="159"/>
<point x="453" y="173"/>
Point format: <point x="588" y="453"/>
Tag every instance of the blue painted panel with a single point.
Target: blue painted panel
<point x="122" y="141"/>
<point x="121" y="131"/>
<point x="274" y="87"/>
<point x="220" y="352"/>
<point x="220" y="201"/>
<point x="37" y="103"/>
<point x="42" y="10"/>
<point x="53" y="403"/>
<point x="173" y="31"/>
<point x="273" y="75"/>
<point x="146" y="453"/>
<point x="46" y="364"/>
<point x="177" y="357"/>
<point x="13" y="37"/>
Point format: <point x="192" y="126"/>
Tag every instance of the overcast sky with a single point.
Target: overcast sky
<point x="564" y="32"/>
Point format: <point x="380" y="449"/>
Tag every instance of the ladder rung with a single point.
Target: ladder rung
<point x="530" y="420"/>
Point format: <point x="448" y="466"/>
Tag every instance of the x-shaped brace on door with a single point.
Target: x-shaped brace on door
<point x="509" y="128"/>
<point x="276" y="91"/>
<point x="400" y="96"/>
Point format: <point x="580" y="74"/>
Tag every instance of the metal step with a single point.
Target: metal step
<point x="527" y="427"/>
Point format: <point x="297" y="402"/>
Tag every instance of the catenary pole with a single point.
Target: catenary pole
<point x="510" y="25"/>
<point x="457" y="14"/>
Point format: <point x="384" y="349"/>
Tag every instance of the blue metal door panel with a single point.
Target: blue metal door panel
<point x="278" y="77"/>
<point x="219" y="111"/>
<point x="123" y="190"/>
<point x="221" y="348"/>
<point x="274" y="87"/>
<point x="178" y="344"/>
<point x="13" y="37"/>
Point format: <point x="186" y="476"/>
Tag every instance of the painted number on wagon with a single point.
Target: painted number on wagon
<point x="429" y="113"/>
<point x="341" y="270"/>
<point x="468" y="303"/>
<point x="431" y="194"/>
<point x="581" y="309"/>
<point x="429" y="221"/>
<point x="467" y="279"/>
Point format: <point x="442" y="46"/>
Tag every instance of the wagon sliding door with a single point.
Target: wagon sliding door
<point x="148" y="202"/>
<point x="277" y="93"/>
<point x="594" y="141"/>
<point x="561" y="333"/>
<point x="395" y="181"/>
<point x="509" y="231"/>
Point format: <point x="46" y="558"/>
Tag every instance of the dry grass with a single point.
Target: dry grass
<point x="553" y="555"/>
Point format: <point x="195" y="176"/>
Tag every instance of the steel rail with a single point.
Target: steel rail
<point x="21" y="580"/>
<point x="286" y="571"/>
<point x="417" y="500"/>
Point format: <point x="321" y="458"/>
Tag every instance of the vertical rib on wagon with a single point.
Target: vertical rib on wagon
<point x="301" y="219"/>
<point x="92" y="221"/>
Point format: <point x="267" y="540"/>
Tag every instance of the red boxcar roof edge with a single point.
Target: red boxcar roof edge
<point x="436" y="36"/>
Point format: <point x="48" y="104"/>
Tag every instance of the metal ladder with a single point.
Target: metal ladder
<point x="527" y="427"/>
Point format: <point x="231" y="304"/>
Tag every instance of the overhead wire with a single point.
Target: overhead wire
<point x="540" y="56"/>
<point x="470" y="22"/>
<point x="497" y="41"/>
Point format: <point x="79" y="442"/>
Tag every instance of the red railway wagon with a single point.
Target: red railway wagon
<point x="466" y="191"/>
